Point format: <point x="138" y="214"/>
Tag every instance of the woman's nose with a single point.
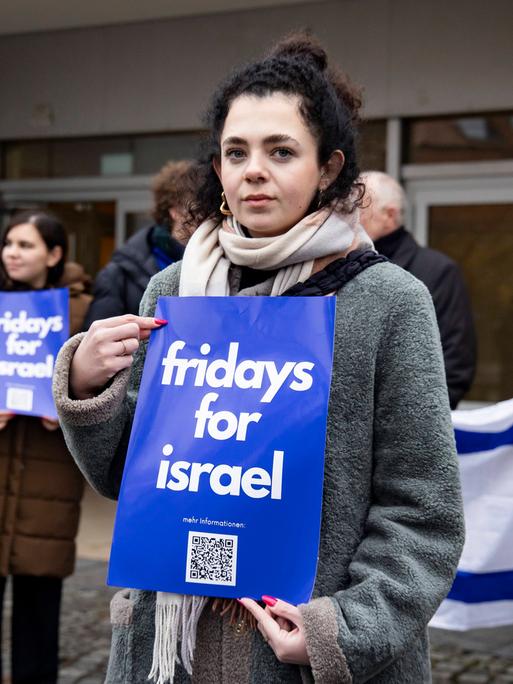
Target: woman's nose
<point x="255" y="168"/>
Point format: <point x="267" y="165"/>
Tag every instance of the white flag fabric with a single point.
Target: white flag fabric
<point x="482" y="593"/>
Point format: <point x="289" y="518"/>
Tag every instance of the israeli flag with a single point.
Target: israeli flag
<point x="482" y="593"/>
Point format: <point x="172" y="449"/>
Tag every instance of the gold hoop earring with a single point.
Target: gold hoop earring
<point x="224" y="208"/>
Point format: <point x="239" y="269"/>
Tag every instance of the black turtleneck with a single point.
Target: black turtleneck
<point x="249" y="277"/>
<point x="388" y="245"/>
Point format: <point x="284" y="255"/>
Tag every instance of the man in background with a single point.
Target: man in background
<point x="382" y="216"/>
<point x="119" y="286"/>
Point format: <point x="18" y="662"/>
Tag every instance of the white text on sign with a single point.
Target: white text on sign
<point x="222" y="479"/>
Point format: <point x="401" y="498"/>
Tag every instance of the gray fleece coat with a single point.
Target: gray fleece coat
<point x="392" y="526"/>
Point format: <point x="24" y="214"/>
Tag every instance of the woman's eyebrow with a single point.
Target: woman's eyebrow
<point x="274" y="139"/>
<point x="234" y="140"/>
<point x="280" y="138"/>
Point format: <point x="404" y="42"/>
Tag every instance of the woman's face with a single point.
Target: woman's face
<point x="269" y="166"/>
<point x="26" y="257"/>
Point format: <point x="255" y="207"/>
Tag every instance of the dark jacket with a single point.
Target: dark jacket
<point x="119" y="286"/>
<point x="40" y="485"/>
<point x="444" y="281"/>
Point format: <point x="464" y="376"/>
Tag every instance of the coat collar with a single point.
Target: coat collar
<point x="400" y="247"/>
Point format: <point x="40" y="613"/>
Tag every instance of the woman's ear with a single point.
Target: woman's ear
<point x="217" y="166"/>
<point x="331" y="169"/>
<point x="175" y="215"/>
<point x="54" y="256"/>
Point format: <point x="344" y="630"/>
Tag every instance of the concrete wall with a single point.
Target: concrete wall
<point x="412" y="57"/>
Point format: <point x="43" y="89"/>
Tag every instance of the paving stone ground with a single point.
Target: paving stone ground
<point x="476" y="657"/>
<point x="479" y="657"/>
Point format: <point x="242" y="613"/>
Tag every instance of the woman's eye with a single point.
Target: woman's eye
<point x="282" y="153"/>
<point x="235" y="154"/>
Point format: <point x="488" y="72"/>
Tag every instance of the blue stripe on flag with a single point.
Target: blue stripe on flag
<point x="471" y="587"/>
<point x="472" y="442"/>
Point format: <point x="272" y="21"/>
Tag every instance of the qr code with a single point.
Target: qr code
<point x="212" y="558"/>
<point x="19" y="398"/>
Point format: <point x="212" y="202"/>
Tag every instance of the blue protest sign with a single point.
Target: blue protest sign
<point x="33" y="327"/>
<point x="222" y="489"/>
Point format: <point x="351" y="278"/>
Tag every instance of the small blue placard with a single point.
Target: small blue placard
<point x="33" y="327"/>
<point x="222" y="489"/>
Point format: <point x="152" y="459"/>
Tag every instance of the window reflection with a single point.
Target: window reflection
<point x="114" y="155"/>
<point x="459" y="139"/>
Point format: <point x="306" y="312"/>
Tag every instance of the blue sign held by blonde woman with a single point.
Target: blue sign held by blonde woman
<point x="222" y="488"/>
<point x="33" y="327"/>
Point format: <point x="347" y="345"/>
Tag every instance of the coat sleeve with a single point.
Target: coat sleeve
<point x="413" y="537"/>
<point x="97" y="430"/>
<point x="108" y="295"/>
<point x="455" y="321"/>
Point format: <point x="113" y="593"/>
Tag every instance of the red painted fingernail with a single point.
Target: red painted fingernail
<point x="160" y="321"/>
<point x="269" y="601"/>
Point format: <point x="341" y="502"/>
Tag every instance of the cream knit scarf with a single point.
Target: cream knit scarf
<point x="210" y="253"/>
<point x="214" y="247"/>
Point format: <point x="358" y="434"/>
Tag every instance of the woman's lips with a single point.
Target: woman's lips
<point x="257" y="200"/>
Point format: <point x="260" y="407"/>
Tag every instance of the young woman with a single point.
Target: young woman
<point x="277" y="211"/>
<point x="40" y="485"/>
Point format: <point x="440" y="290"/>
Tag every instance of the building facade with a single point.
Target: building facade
<point x="90" y="114"/>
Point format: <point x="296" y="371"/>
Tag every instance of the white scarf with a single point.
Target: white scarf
<point x="210" y="253"/>
<point x="214" y="247"/>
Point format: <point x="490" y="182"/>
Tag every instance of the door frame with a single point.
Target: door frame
<point x="132" y="193"/>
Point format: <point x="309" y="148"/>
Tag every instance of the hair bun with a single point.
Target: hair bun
<point x="303" y="46"/>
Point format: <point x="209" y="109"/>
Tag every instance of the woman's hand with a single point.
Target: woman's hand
<point x="281" y="625"/>
<point x="5" y="417"/>
<point x="50" y="424"/>
<point x="106" y="349"/>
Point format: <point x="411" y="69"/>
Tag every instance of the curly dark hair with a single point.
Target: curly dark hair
<point x="329" y="105"/>
<point x="52" y="232"/>
<point x="172" y="187"/>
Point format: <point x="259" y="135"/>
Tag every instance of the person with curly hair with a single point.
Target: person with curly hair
<point x="119" y="286"/>
<point x="276" y="214"/>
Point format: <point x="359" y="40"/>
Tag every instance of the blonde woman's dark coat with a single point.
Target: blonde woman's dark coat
<point x="40" y="485"/>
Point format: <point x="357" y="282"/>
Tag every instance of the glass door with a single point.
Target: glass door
<point x="479" y="237"/>
<point x="472" y="222"/>
<point x="90" y="228"/>
<point x="132" y="215"/>
<point x="98" y="213"/>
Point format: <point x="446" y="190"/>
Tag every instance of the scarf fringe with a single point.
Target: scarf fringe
<point x="176" y="620"/>
<point x="168" y="624"/>
<point x="192" y="609"/>
<point x="235" y="612"/>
